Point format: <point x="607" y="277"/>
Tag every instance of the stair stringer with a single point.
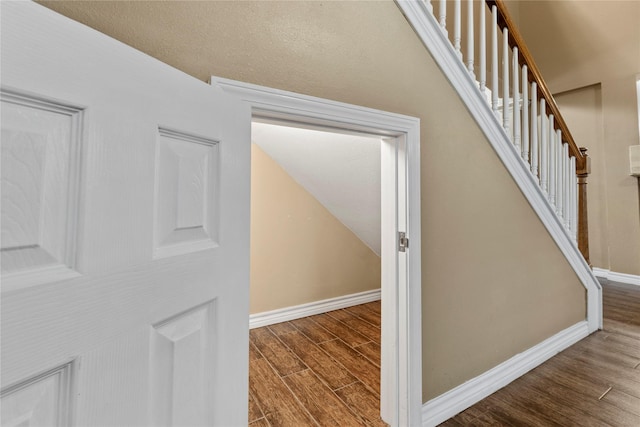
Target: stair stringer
<point x="420" y="17"/>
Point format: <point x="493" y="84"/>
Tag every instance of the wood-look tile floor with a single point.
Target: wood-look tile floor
<point x="321" y="370"/>
<point x="596" y="382"/>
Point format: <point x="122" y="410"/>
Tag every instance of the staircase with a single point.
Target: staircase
<point x="489" y="65"/>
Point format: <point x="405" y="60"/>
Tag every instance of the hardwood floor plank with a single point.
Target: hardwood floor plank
<point x="279" y="406"/>
<point x="617" y="302"/>
<point x="491" y="419"/>
<point x="588" y="385"/>
<point x="626" y="377"/>
<point x="262" y="422"/>
<point x="622" y="328"/>
<point x="325" y="407"/>
<point x="621" y="304"/>
<point x="312" y="330"/>
<point x="623" y="401"/>
<point x="357" y="324"/>
<point x="370" y="350"/>
<point x="468" y="417"/>
<point x="463" y="419"/>
<point x="279" y="356"/>
<point x="571" y="413"/>
<point x="451" y="422"/>
<point x="603" y="411"/>
<point x="339" y="329"/>
<point x="579" y="369"/>
<point x="341" y="315"/>
<point x="493" y="416"/>
<point x="330" y="371"/>
<point x="356" y="363"/>
<point x="493" y="412"/>
<point x="281" y="328"/>
<point x="624" y="344"/>
<point x="622" y="312"/>
<point x="255" y="412"/>
<point x="375" y="306"/>
<point x="523" y="405"/>
<point x="624" y="289"/>
<point x="606" y="347"/>
<point x="365" y="314"/>
<point x="253" y="352"/>
<point x="363" y="402"/>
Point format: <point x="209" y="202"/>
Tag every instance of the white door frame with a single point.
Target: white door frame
<point x="401" y="385"/>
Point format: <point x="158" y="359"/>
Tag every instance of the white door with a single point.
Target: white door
<point x="125" y="244"/>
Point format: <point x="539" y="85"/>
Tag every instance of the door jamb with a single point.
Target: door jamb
<point x="401" y="390"/>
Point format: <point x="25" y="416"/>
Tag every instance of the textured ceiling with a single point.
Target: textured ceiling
<point x="341" y="171"/>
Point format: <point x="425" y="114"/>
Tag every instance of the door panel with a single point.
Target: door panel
<point x="125" y="217"/>
<point x="179" y="372"/>
<point x="42" y="400"/>
<point x="186" y="193"/>
<point x="40" y="163"/>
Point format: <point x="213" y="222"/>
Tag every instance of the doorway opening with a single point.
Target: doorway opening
<point x="401" y="348"/>
<point x="315" y="275"/>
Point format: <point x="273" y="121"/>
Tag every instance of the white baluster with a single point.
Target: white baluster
<point x="559" y="194"/>
<point x="567" y="187"/>
<point x="505" y="82"/>
<point x="563" y="183"/>
<point x="560" y="176"/>
<point x="534" y="130"/>
<point x="574" y="199"/>
<point x="544" y="142"/>
<point x="456" y="27"/>
<point x="525" y="114"/>
<point x="442" y="15"/>
<point x="569" y="206"/>
<point x="552" y="162"/>
<point x="494" y="60"/>
<point x="470" y="45"/>
<point x="516" y="101"/>
<point x="483" y="49"/>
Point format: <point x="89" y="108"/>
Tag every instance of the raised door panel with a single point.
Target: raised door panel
<point x="43" y="400"/>
<point x="182" y="368"/>
<point x="186" y="193"/>
<point x="40" y="168"/>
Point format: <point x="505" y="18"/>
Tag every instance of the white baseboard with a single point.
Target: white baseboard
<point x="303" y="310"/>
<point x="606" y="276"/>
<point x="465" y="395"/>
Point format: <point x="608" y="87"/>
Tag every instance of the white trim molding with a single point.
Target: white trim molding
<point x="453" y="402"/>
<point x="436" y="42"/>
<point x="317" y="307"/>
<point x="401" y="391"/>
<point x="606" y="276"/>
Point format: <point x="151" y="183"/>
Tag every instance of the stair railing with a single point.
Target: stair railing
<point x="512" y="84"/>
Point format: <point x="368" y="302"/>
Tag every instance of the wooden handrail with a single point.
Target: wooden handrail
<point x="534" y="75"/>
<point x="541" y="138"/>
<point x="583" y="164"/>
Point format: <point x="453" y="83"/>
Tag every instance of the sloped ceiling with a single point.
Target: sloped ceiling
<point x="341" y="171"/>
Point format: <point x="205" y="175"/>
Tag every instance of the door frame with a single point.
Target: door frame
<point x="401" y="382"/>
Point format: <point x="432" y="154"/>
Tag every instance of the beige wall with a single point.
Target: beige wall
<point x="494" y="283"/>
<point x="300" y="252"/>
<point x="582" y="110"/>
<point x="579" y="46"/>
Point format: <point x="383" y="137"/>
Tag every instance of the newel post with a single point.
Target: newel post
<point x="583" y="222"/>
